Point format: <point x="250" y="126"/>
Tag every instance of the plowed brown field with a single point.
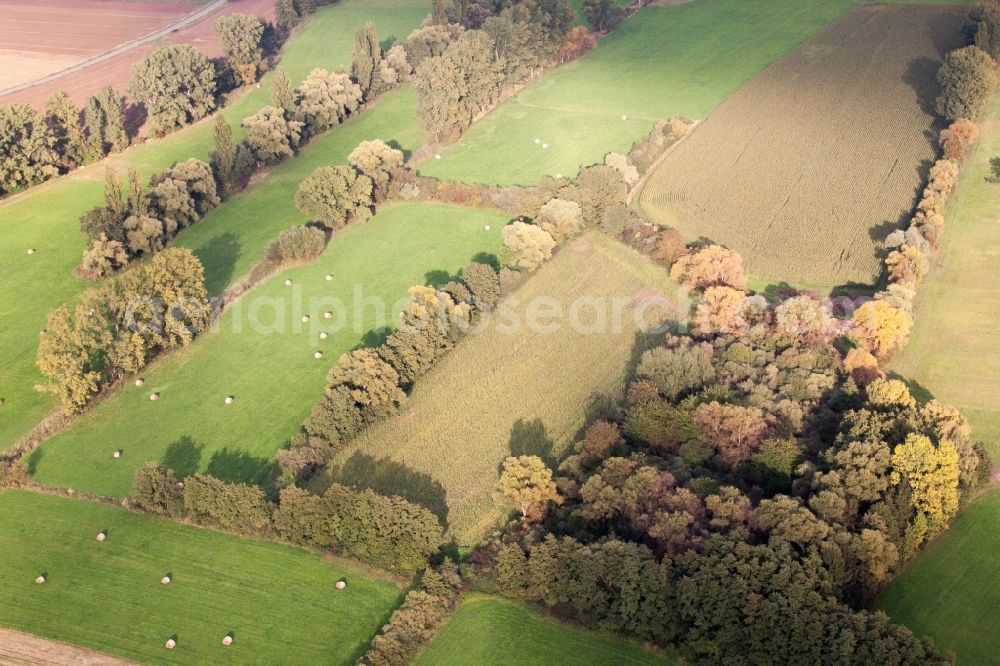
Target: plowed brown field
<point x="808" y="167"/>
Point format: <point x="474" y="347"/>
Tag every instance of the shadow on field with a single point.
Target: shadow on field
<point x="390" y="477"/>
<point x="376" y="337"/>
<point x="921" y="75"/>
<point x="183" y="457"/>
<point x="219" y="256"/>
<point x="487" y="258"/>
<point x="33" y="459"/>
<point x="921" y="393"/>
<point x="529" y="438"/>
<point x="240" y="467"/>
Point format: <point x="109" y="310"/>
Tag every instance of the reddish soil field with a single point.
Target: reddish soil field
<point x="81" y="29"/>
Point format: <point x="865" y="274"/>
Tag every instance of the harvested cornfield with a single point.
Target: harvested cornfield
<point x="519" y="386"/>
<point x="810" y="165"/>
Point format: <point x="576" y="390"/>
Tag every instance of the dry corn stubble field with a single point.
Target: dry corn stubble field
<point x="808" y="167"/>
<point x="512" y="388"/>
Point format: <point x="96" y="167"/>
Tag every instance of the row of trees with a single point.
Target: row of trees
<point x="461" y="72"/>
<point x="117" y="329"/>
<point x="36" y="146"/>
<point x="385" y="531"/>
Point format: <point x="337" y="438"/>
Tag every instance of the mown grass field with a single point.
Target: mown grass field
<point x="949" y="592"/>
<point x="490" y="631"/>
<point x="513" y="386"/>
<point x="268" y="367"/>
<point x="784" y="173"/>
<point x="662" y="62"/>
<point x="46" y="217"/>
<point x="279" y="602"/>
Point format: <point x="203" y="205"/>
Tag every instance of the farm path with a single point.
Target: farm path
<point x="17" y="649"/>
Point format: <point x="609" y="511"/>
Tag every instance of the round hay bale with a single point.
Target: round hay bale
<point x="170" y="644"/>
<point x="486" y="227"/>
<point x="545" y="145"/>
<point x="305" y="318"/>
<point x="117" y="453"/>
<point x="230" y="400"/>
<point x="288" y="283"/>
<point x="165" y="580"/>
<point x="318" y="354"/>
<point x="329" y="278"/>
<point x="559" y="176"/>
<point x="437" y="156"/>
<point x="140" y="381"/>
<point x="327" y="315"/>
<point x="31" y="250"/>
<point x="341" y="584"/>
<point x="227" y="640"/>
<point x="323" y="335"/>
<point x="101" y="536"/>
<point x="40" y="580"/>
<point x="624" y="117"/>
<point x="537" y="141"/>
<point x="154" y="396"/>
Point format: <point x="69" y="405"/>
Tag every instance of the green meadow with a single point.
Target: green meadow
<point x="46" y="217"/>
<point x="491" y="631"/>
<point x="662" y="62"/>
<point x="279" y="603"/>
<point x="262" y="354"/>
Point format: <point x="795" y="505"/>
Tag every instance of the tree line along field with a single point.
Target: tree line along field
<point x="508" y="389"/>
<point x="949" y="591"/>
<point x="490" y="631"/>
<point x="46" y="217"/>
<point x="665" y="61"/>
<point x="808" y="167"/>
<point x="273" y="376"/>
<point x="107" y="596"/>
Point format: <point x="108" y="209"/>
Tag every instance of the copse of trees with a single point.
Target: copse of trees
<point x="177" y="85"/>
<point x="117" y="329"/>
<point x="324" y="99"/>
<point x="336" y="196"/>
<point x="968" y="80"/>
<point x="27" y="153"/>
<point x="603" y="15"/>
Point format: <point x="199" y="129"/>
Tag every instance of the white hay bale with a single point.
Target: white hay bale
<point x="288" y="283"/>
<point x="229" y="400"/>
<point x="329" y="277"/>
<point x="537" y="141"/>
<point x="227" y="640"/>
<point x="117" y="453"/>
<point x="558" y="175"/>
<point x="31" y="250"/>
<point x="140" y="381"/>
<point x="437" y="156"/>
<point x="486" y="227"/>
<point x="323" y="335"/>
<point x="154" y="396"/>
<point x="40" y="580"/>
<point x="101" y="536"/>
<point x="170" y="644"/>
<point x="305" y="319"/>
<point x="545" y="145"/>
<point x="624" y="117"/>
<point x="318" y="354"/>
<point x="341" y="584"/>
<point x="165" y="580"/>
<point x="327" y="315"/>
<point x="180" y="485"/>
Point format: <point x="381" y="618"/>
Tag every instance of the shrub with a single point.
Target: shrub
<point x="184" y="194"/>
<point x="155" y="490"/>
<point x="623" y="165"/>
<point x="297" y="245"/>
<point x="670" y="247"/>
<point x="270" y="137"/>
<point x="336" y="196"/>
<point x="526" y="246"/>
<point x="325" y="99"/>
<point x="968" y="79"/>
<point x="619" y="218"/>
<point x="231" y="506"/>
<point x="378" y="161"/>
<point x="26" y="156"/>
<point x="560" y="218"/>
<point x="484" y="283"/>
<point x="596" y="189"/>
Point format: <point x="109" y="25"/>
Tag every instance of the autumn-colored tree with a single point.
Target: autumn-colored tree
<point x="862" y="366"/>
<point x="560" y="218"/>
<point x="968" y="79"/>
<point x="526" y="484"/>
<point x="370" y="381"/>
<point x="932" y="474"/>
<point x="890" y="394"/>
<point x="958" y="137"/>
<point x="526" y="246"/>
<point x="434" y="312"/>
<point x="377" y="160"/>
<point x="270" y="136"/>
<point x="720" y="310"/>
<point x="70" y="355"/>
<point x="670" y="247"/>
<point x="802" y="319"/>
<point x="336" y="196"/>
<point x="484" y="283"/>
<point x="624" y="166"/>
<point x="709" y="267"/>
<point x="907" y="265"/>
<point x="325" y="99"/>
<point x="578" y="42"/>
<point x="241" y="37"/>
<point x="733" y="430"/>
<point x="881" y="328"/>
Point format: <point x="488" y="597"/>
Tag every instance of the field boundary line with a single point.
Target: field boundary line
<point x="637" y="188"/>
<point x="184" y="22"/>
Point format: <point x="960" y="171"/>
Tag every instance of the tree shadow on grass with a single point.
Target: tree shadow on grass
<point x="219" y="257"/>
<point x="921" y="393"/>
<point x="183" y="457"/>
<point x="487" y="258"/>
<point x="436" y="278"/>
<point x="376" y="337"/>
<point x="33" y="459"/>
<point x="390" y="477"/>
<point x="234" y="466"/>
<point x="529" y="438"/>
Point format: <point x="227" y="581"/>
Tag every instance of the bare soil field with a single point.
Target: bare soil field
<point x="105" y="24"/>
<point x="39" y="38"/>
<point x="19" y="648"/>
<point x="809" y="166"/>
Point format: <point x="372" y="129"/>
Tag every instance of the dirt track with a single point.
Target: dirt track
<point x="17" y="648"/>
<point x="116" y="71"/>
